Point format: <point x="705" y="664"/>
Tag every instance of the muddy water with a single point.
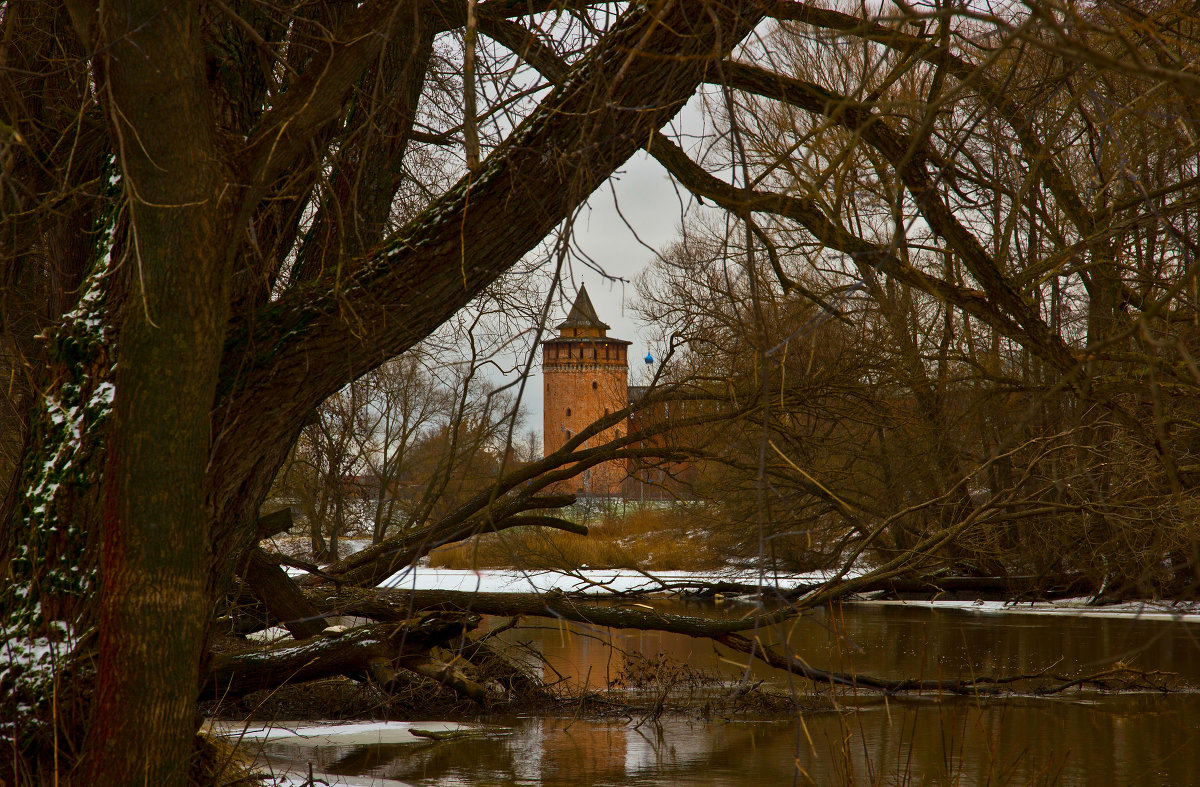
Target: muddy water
<point x="892" y="641"/>
<point x="1076" y="739"/>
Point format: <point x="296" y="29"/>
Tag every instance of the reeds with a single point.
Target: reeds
<point x="648" y="539"/>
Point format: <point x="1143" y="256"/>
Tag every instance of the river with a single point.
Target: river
<point x="1074" y="738"/>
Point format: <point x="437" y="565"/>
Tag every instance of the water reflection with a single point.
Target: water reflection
<point x="1090" y="739"/>
<point x="888" y="641"/>
<point x="1121" y="741"/>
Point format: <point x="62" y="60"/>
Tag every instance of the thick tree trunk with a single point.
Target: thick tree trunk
<point x="155" y="566"/>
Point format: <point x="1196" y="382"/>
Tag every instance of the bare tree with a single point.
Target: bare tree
<point x="254" y="154"/>
<point x="216" y="215"/>
<point x="329" y="448"/>
<point x="972" y="182"/>
<point x="403" y="402"/>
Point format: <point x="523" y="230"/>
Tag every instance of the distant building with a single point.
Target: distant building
<point x="586" y="375"/>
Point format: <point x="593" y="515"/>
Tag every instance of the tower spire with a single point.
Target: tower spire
<point x="583" y="314"/>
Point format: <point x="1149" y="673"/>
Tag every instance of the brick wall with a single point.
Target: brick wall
<point x="585" y="379"/>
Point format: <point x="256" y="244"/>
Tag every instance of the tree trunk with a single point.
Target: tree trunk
<point x="155" y="551"/>
<point x="282" y="597"/>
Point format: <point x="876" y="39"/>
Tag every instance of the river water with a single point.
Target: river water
<point x="1074" y="738"/>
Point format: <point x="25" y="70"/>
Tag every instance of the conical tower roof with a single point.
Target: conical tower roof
<point x="583" y="314"/>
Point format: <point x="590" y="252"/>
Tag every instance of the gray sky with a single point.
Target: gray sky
<point x="650" y="205"/>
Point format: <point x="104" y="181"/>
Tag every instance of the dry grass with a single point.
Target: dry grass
<point x="649" y="539"/>
<point x="218" y="761"/>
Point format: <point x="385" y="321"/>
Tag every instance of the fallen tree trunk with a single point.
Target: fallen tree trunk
<point x="385" y="603"/>
<point x="281" y="596"/>
<point x="1115" y="680"/>
<point x="789" y="663"/>
<point x="414" y="622"/>
<point x="396" y="604"/>
<point x="361" y="653"/>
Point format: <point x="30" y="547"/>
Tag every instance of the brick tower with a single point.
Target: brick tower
<point x="586" y="374"/>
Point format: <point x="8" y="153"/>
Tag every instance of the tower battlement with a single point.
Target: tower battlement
<point x="586" y="376"/>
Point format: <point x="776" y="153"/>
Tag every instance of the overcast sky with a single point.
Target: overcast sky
<point x="651" y="209"/>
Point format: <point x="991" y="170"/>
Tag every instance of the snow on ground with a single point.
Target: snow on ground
<point x="301" y="733"/>
<point x="348" y="546"/>
<point x="270" y="636"/>
<point x="586" y="580"/>
<point x="600" y="581"/>
<point x="1142" y="610"/>
<point x="293" y="771"/>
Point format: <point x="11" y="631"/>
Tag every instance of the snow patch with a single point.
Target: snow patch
<point x="588" y="581"/>
<point x="1075" y="607"/>
<point x="352" y="734"/>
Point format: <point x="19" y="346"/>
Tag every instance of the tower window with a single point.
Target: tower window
<point x="568" y="411"/>
<point x="594" y="386"/>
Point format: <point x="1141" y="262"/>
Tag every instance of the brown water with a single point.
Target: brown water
<point x="888" y="641"/>
<point x="1078" y="739"/>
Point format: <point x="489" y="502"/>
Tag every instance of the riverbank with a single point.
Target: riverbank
<point x="1094" y="733"/>
<point x="593" y="650"/>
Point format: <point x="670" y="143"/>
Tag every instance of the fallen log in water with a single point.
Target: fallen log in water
<point x="385" y="603"/>
<point x="365" y="652"/>
<point x="396" y="604"/>
<point x="463" y="733"/>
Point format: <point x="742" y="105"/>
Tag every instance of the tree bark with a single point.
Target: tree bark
<point x="282" y="597"/>
<point x="397" y="604"/>
<point x="155" y="550"/>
